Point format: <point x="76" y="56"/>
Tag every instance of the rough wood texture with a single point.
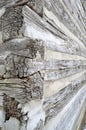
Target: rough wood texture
<point x="42" y="64"/>
<point x="6" y="3"/>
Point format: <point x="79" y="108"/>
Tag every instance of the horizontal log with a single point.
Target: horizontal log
<point x="23" y="90"/>
<point x="61" y="56"/>
<point x="25" y="47"/>
<point x="53" y="65"/>
<point x="55" y="75"/>
<point x="54" y="68"/>
<point x="30" y="15"/>
<point x="15" y="65"/>
<point x="53" y="87"/>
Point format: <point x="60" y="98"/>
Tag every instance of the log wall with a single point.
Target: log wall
<point x="42" y="64"/>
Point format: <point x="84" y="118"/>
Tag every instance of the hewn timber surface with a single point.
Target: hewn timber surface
<point x="42" y="64"/>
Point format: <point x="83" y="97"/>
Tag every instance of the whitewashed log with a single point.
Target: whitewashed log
<point x="59" y="74"/>
<point x="53" y="87"/>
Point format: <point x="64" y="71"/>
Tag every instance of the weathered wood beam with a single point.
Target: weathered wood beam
<point x="23" y="90"/>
